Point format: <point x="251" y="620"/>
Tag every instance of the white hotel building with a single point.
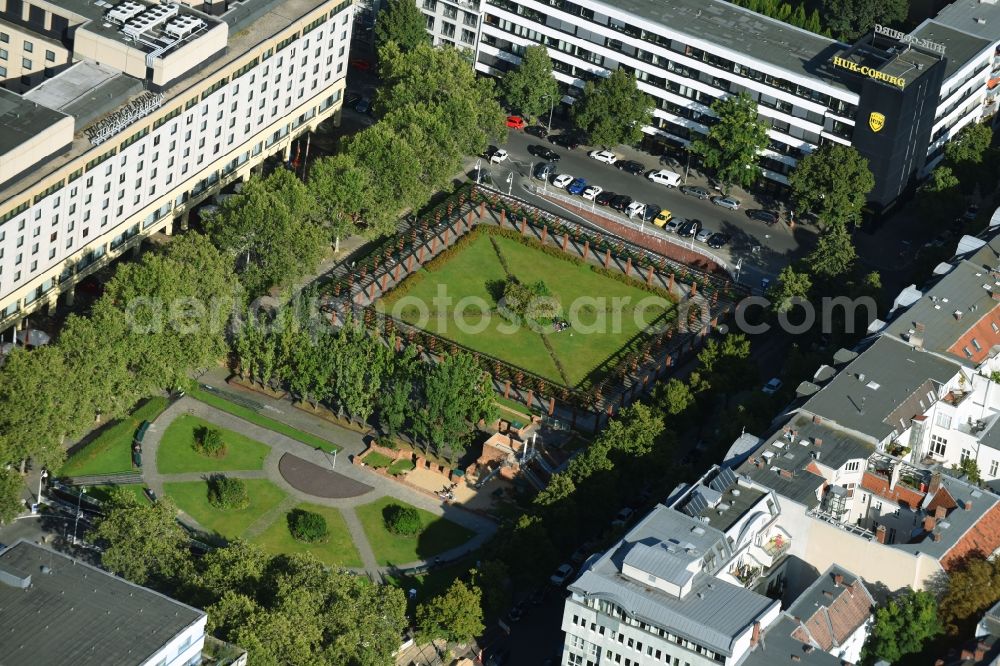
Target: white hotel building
<point x="145" y="111"/>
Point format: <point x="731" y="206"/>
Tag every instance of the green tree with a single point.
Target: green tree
<point x="833" y="183"/>
<point x="141" y="541"/>
<point x="456" y="615"/>
<point x="940" y="197"/>
<point x="791" y="285"/>
<point x="530" y="87"/>
<point x="970" y="146"/>
<point x="834" y="255"/>
<point x="973" y="587"/>
<point x="674" y="397"/>
<point x="969" y="468"/>
<point x="901" y="627"/>
<point x="393" y="402"/>
<point x="734" y="143"/>
<point x="11" y="485"/>
<point x="360" y="363"/>
<point x="493" y="578"/>
<point x="401" y="22"/>
<point x="558" y="489"/>
<point x="634" y="431"/>
<point x="342" y="192"/>
<point x="613" y="111"/>
<point x="849" y="19"/>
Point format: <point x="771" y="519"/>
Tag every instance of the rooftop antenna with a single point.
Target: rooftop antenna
<point x="862" y="408"/>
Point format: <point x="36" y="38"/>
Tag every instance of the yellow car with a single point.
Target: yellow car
<point x="662" y="219"/>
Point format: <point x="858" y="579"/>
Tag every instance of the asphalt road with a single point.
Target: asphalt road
<point x="779" y="243"/>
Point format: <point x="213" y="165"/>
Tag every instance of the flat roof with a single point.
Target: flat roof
<point x="964" y="15"/>
<point x="22" y="119"/>
<point x="97" y="11"/>
<point x="960" y="46"/>
<point x="74" y="613"/>
<point x="85" y="90"/>
<point x="742" y="31"/>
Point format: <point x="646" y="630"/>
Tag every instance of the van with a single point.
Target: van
<point x="665" y="177"/>
<point x="544" y="170"/>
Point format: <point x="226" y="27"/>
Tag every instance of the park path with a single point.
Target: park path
<point x="279" y="444"/>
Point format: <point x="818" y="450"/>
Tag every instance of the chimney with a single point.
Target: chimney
<point x="838" y="580"/>
<point x="935" y="484"/>
<point x="968" y="505"/>
<point x="817" y="419"/>
<point x="929" y="523"/>
<point x="919" y="327"/>
<point x="755" y="636"/>
<point x="817" y="441"/>
<point x="981" y="650"/>
<point x="787" y="474"/>
<point x="828" y="594"/>
<point x="958" y="314"/>
<point x="940" y="512"/>
<point x="936" y="536"/>
<point x="796" y="657"/>
<point x="967" y="654"/>
<point x="880" y="534"/>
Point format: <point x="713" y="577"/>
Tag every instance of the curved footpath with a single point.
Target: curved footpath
<point x="351" y="485"/>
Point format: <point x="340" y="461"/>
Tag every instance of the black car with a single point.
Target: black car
<point x="537" y="130"/>
<point x="351" y="99"/>
<point x="543" y="170"/>
<point x="690" y="228"/>
<point x="604" y="198"/>
<point x="621" y="202"/>
<point x="718" y="240"/>
<point x="544" y="153"/>
<point x="565" y="140"/>
<point x="631" y="166"/>
<point x="696" y="191"/>
<point x="652" y="210"/>
<point x="765" y="216"/>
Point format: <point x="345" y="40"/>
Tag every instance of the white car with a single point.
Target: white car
<point x="605" y="156"/>
<point x="591" y="192"/>
<point x="499" y="156"/>
<point x="665" y="177"/>
<point x="561" y="575"/>
<point x="562" y="180"/>
<point x="636" y="208"/>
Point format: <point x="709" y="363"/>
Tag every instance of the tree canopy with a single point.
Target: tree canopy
<point x="833" y="183"/>
<point x="902" y="626"/>
<point x="790" y="285"/>
<point x="849" y="19"/>
<point x="734" y="143"/>
<point x="973" y="587"/>
<point x="834" y="255"/>
<point x="613" y="111"/>
<point x="970" y="146"/>
<point x="456" y="615"/>
<point x="403" y="23"/>
<point x="342" y="192"/>
<point x="530" y="87"/>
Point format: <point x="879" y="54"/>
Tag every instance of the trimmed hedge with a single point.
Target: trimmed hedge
<point x="401" y="520"/>
<point x="208" y="442"/>
<point x="225" y="492"/>
<point x="307" y="526"/>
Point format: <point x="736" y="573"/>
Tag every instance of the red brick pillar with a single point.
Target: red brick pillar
<point x="649" y="277"/>
<point x="409" y="264"/>
<point x="524" y="225"/>
<point x="694" y="288"/>
<point x="434" y="244"/>
<point x="506" y="389"/>
<point x="586" y="249"/>
<point x="468" y="220"/>
<point x="420" y="255"/>
<point x="385" y="280"/>
<point x="446" y="236"/>
<point x="671" y="285"/>
<point x="668" y="361"/>
<point x="531" y="398"/>
<point x="565" y="242"/>
<point x="371" y="291"/>
<point x="503" y="216"/>
<point x="552" y="406"/>
<point x="545" y="232"/>
<point x="396" y="273"/>
<point x="628" y="266"/>
<point x="607" y="258"/>
<point x="399" y="345"/>
<point x="482" y="209"/>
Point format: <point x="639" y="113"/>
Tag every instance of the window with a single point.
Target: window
<point x="50" y="56"/>
<point x="975" y="343"/>
<point x="993" y="468"/>
<point x="25" y="63"/>
<point x="3" y="54"/>
<point x="853" y="466"/>
<point x="938" y="445"/>
<point x="943" y="420"/>
<point x="966" y="454"/>
<point x="4" y="37"/>
<point x="29" y="47"/>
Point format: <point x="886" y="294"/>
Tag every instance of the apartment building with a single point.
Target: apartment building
<point x="160" y="105"/>
<point x="452" y="22"/>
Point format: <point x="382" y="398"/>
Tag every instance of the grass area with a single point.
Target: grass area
<point x="192" y="498"/>
<point x="250" y="415"/>
<point x="111" y="450"/>
<point x="338" y="551"/>
<point x="401" y="466"/>
<point x="437" y="536"/>
<point x="377" y="460"/>
<point x="511" y="408"/>
<point x="177" y="454"/>
<point x="434" y="582"/>
<point x="103" y="493"/>
<point x="604" y="310"/>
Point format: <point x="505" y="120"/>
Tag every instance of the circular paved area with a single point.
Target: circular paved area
<point x="314" y="480"/>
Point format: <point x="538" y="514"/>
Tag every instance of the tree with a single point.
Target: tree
<point x="307" y="526"/>
<point x="456" y="615"/>
<point x="973" y="587"/>
<point x="360" y="362"/>
<point x="393" y="402"/>
<point x="791" y="285"/>
<point x="969" y="468"/>
<point x="833" y="183"/>
<point x="11" y="504"/>
<point x="493" y="578"/>
<point x="970" y="146"/>
<point x="634" y="431"/>
<point x="530" y="87"/>
<point x="849" y="19"/>
<point x="141" y="541"/>
<point x="901" y="627"/>
<point x="401" y="22"/>
<point x="402" y="520"/>
<point x="342" y="192"/>
<point x="834" y="255"/>
<point x="733" y="143"/>
<point x="940" y="197"/>
<point x="613" y="111"/>
<point x="227" y="492"/>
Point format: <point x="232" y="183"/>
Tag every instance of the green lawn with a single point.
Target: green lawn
<point x="401" y="466"/>
<point x="254" y="417"/>
<point x="592" y="297"/>
<point x="377" y="460"/>
<point x="177" y="453"/>
<point x="103" y="493"/>
<point x="111" y="450"/>
<point x="192" y="498"/>
<point x="338" y="551"/>
<point x="438" y="535"/>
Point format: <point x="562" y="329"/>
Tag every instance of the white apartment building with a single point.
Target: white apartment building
<point x="161" y="105"/>
<point x="452" y="22"/>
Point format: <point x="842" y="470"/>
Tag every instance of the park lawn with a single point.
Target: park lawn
<point x="252" y="416"/>
<point x="177" y="454"/>
<point x="191" y="497"/>
<point x="337" y="551"/>
<point x="401" y="466"/>
<point x="438" y="535"/>
<point x="103" y="493"/>
<point x="377" y="460"/>
<point x="111" y="450"/>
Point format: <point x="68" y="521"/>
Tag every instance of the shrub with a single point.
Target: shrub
<point x="307" y="526"/>
<point x="401" y="520"/>
<point x="227" y="493"/>
<point x="208" y="442"/>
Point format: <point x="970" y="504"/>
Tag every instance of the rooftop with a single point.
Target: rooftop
<point x="22" y="119"/>
<point x="960" y="46"/>
<point x="150" y="27"/>
<point x="85" y="90"/>
<point x="714" y="613"/>
<point x="69" y="612"/>
<point x="973" y="17"/>
<point x="720" y="499"/>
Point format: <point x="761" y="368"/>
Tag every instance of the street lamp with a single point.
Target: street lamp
<point x="552" y="105"/>
<point x="334" y="459"/>
<point x="41" y="477"/>
<point x="479" y="166"/>
<point x="739" y="267"/>
<point x="510" y="183"/>
<point x="79" y="498"/>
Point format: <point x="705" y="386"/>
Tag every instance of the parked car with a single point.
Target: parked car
<point x="623" y="517"/>
<point x="761" y="215"/>
<point x="515" y="122"/>
<point x="696" y="191"/>
<point x="561" y="576"/>
<point x="536" y="130"/>
<point x="605" y="156"/>
<point x="562" y="180"/>
<point x="544" y="169"/>
<point x="636" y="208"/>
<point x="591" y="192"/>
<point x="565" y="140"/>
<point x="971" y="212"/>
<point x="690" y="228"/>
<point x="515" y="614"/>
<point x="364" y="104"/>
<point x="360" y="64"/>
<point x="703" y="235"/>
<point x="621" y="202"/>
<point x="726" y="202"/>
<point x="577" y="186"/>
<point x="498" y="156"/>
<point x="774" y="384"/>
<point x="149" y="494"/>
<point x="718" y="240"/>
<point x="675" y="224"/>
<point x="631" y="166"/>
<point x="651" y="213"/>
<point x="604" y="198"/>
<point x="665" y="177"/>
<point x="544" y="153"/>
<point x="663" y="219"/>
<point x="351" y="98"/>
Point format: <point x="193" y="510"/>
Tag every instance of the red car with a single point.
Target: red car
<point x="362" y="65"/>
<point x="516" y="122"/>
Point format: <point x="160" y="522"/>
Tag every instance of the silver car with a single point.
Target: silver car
<point x="704" y="235"/>
<point x="726" y="202"/>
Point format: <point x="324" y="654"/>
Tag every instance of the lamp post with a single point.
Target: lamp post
<point x="510" y="183"/>
<point x="479" y="167"/>
<point x="79" y="498"/>
<point x="688" y="166"/>
<point x="41" y="477"/>
<point x="552" y="105"/>
<point x="334" y="459"/>
<point x="739" y="267"/>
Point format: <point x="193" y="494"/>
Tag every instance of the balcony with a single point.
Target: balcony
<point x="776" y="546"/>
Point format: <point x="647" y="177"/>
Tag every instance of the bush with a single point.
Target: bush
<point x="401" y="520"/>
<point x="208" y="442"/>
<point x="227" y="493"/>
<point x="307" y="526"/>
